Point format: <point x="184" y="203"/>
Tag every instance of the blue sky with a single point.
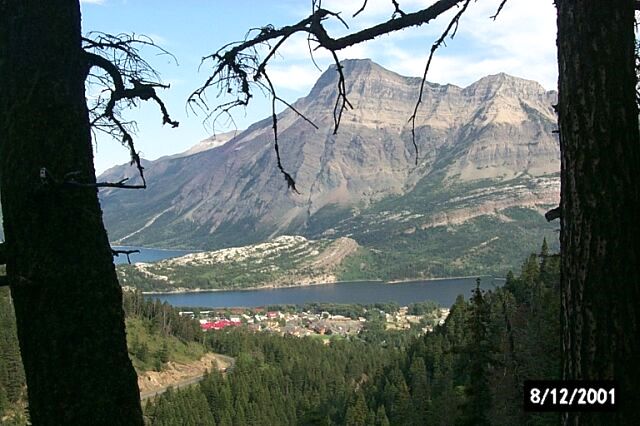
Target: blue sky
<point x="520" y="42"/>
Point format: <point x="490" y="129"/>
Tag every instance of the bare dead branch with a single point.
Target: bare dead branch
<point x="236" y="66"/>
<point x="291" y="183"/>
<point x="124" y="64"/>
<point x="407" y="20"/>
<point x="342" y="103"/>
<point x="453" y="26"/>
<point x="298" y="113"/>
<point x="71" y="179"/>
<point x="364" y="5"/>
<point x="263" y="64"/>
<point x="553" y="214"/>
<point x="495" y="16"/>
<point x="231" y="61"/>
<point x="141" y="90"/>
<point x="117" y="253"/>
<point x="398" y="11"/>
<point x="120" y="184"/>
<point x="313" y="60"/>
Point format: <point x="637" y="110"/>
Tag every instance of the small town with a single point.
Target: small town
<point x="308" y="323"/>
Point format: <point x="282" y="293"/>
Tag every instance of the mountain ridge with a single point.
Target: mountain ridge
<point x="496" y="132"/>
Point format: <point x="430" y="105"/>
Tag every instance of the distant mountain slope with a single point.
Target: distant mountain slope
<point x="482" y="149"/>
<point x="283" y="261"/>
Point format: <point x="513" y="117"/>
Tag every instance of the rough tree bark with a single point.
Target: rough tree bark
<point x="600" y="228"/>
<point x="67" y="298"/>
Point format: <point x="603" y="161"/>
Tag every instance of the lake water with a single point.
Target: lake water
<point x="443" y="292"/>
<point x="147" y="254"/>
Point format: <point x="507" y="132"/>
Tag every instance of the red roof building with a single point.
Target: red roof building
<point x="218" y="325"/>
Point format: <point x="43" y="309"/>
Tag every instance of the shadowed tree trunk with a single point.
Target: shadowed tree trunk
<point x="67" y="299"/>
<point x="600" y="206"/>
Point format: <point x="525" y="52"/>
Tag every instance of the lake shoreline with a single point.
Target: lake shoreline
<point x="188" y="251"/>
<point x="419" y="280"/>
<point x="256" y="288"/>
<point x="443" y="291"/>
<point x="278" y="287"/>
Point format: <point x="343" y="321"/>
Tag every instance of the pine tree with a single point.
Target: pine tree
<point x="381" y="417"/>
<point x="479" y="355"/>
<point x="225" y="418"/>
<point x="420" y="391"/>
<point x="397" y="397"/>
<point x="163" y="354"/>
<point x="356" y="410"/>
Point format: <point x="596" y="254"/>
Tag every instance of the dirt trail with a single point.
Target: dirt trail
<point x="177" y="375"/>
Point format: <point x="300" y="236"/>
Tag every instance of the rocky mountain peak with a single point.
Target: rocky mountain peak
<point x="498" y="129"/>
<point x="505" y="84"/>
<point x="358" y="73"/>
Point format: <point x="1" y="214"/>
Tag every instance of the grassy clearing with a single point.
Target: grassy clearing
<point x="150" y="350"/>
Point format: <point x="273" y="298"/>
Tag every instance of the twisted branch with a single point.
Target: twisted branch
<point x="117" y="253"/>
<point x="236" y="66"/>
<point x="453" y="25"/>
<point x="495" y="16"/>
<point x="125" y="64"/>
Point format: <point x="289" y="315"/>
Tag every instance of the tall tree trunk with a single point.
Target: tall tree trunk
<point x="600" y="233"/>
<point x="67" y="298"/>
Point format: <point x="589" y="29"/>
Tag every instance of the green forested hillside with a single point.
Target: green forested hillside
<point x="156" y="334"/>
<point x="485" y="245"/>
<point x="392" y="249"/>
<point x="286" y="260"/>
<point x="468" y="371"/>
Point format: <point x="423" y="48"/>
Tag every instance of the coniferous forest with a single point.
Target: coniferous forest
<point x="66" y="300"/>
<point x="468" y="371"/>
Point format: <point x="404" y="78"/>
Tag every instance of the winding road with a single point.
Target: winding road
<point x="223" y="360"/>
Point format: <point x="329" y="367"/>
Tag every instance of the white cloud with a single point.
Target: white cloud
<point x="374" y="10"/>
<point x="295" y="77"/>
<point x="297" y="48"/>
<point x="294" y="69"/>
<point x="520" y="42"/>
<point x="523" y="34"/>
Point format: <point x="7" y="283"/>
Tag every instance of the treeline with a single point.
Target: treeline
<point x="286" y="266"/>
<point x="279" y="380"/>
<point x="155" y="334"/>
<point x="469" y="371"/>
<point x="162" y="318"/>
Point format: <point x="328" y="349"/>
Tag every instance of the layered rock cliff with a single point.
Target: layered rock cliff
<point x="482" y="149"/>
